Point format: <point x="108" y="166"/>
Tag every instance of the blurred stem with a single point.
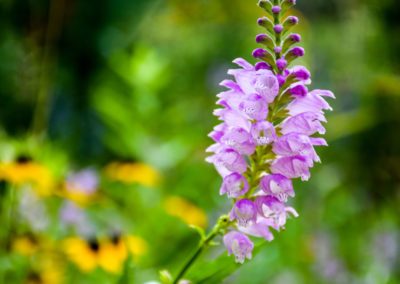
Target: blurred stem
<point x="222" y="224"/>
<point x="53" y="31"/>
<point x="9" y="212"/>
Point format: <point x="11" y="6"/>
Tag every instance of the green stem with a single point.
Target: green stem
<point x="222" y="223"/>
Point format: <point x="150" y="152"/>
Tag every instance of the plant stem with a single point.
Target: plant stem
<point x="222" y="223"/>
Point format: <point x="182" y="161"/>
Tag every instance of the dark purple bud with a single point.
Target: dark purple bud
<point x="281" y="63"/>
<point x="293" y="20"/>
<point x="262" y="65"/>
<point x="264" y="55"/>
<point x="266" y="40"/>
<point x="297" y="51"/>
<point x="287" y="4"/>
<point x="294" y="53"/>
<point x="277" y="49"/>
<point x="299" y="91"/>
<point x="265" y="4"/>
<point x="259" y="53"/>
<point x="295" y="37"/>
<point x="276" y="9"/>
<point x="290" y="40"/>
<point x="278" y="28"/>
<point x="266" y="23"/>
<point x="301" y="73"/>
<point x="261" y="38"/>
<point x="289" y="23"/>
<point x="281" y="79"/>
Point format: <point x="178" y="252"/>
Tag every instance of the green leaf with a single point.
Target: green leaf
<point x="213" y="272"/>
<point x="165" y="277"/>
<point x="127" y="276"/>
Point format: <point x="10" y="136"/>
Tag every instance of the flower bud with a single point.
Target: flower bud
<point x="299" y="91"/>
<point x="264" y="55"/>
<point x="278" y="29"/>
<point x="266" y="5"/>
<point x="262" y="65"/>
<point x="276" y="9"/>
<point x="281" y="63"/>
<point x="290" y="22"/>
<point x="277" y="49"/>
<point x="266" y="40"/>
<point x="290" y="40"/>
<point x="266" y="23"/>
<point x="287" y="4"/>
<point x="300" y="73"/>
<point x="294" y="53"/>
<point x="281" y="79"/>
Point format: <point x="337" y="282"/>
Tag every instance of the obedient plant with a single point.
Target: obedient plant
<point x="266" y="138"/>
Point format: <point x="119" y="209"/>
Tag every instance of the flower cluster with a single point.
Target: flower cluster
<point x="266" y="138"/>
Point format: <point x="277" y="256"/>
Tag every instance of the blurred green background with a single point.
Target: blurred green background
<point x="133" y="82"/>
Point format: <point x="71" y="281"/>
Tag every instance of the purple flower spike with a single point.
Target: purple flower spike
<point x="295" y="37"/>
<point x="278" y="28"/>
<point x="281" y="63"/>
<point x="299" y="91"/>
<point x="244" y="212"/>
<point x="269" y="116"/>
<point x="278" y="186"/>
<point x="276" y="9"/>
<point x="263" y="132"/>
<point x="259" y="53"/>
<point x="235" y="185"/>
<point x="238" y="244"/>
<point x="262" y="65"/>
<point x="297" y="51"/>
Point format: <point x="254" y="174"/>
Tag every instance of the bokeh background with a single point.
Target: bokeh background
<point x="105" y="109"/>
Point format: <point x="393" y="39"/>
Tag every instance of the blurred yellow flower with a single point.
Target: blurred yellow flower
<point x="186" y="211"/>
<point x="136" y="245"/>
<point x="82" y="253"/>
<point x="109" y="254"/>
<point x="133" y="172"/>
<point x="25" y="245"/>
<point x="25" y="171"/>
<point x="48" y="267"/>
<point x="51" y="267"/>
